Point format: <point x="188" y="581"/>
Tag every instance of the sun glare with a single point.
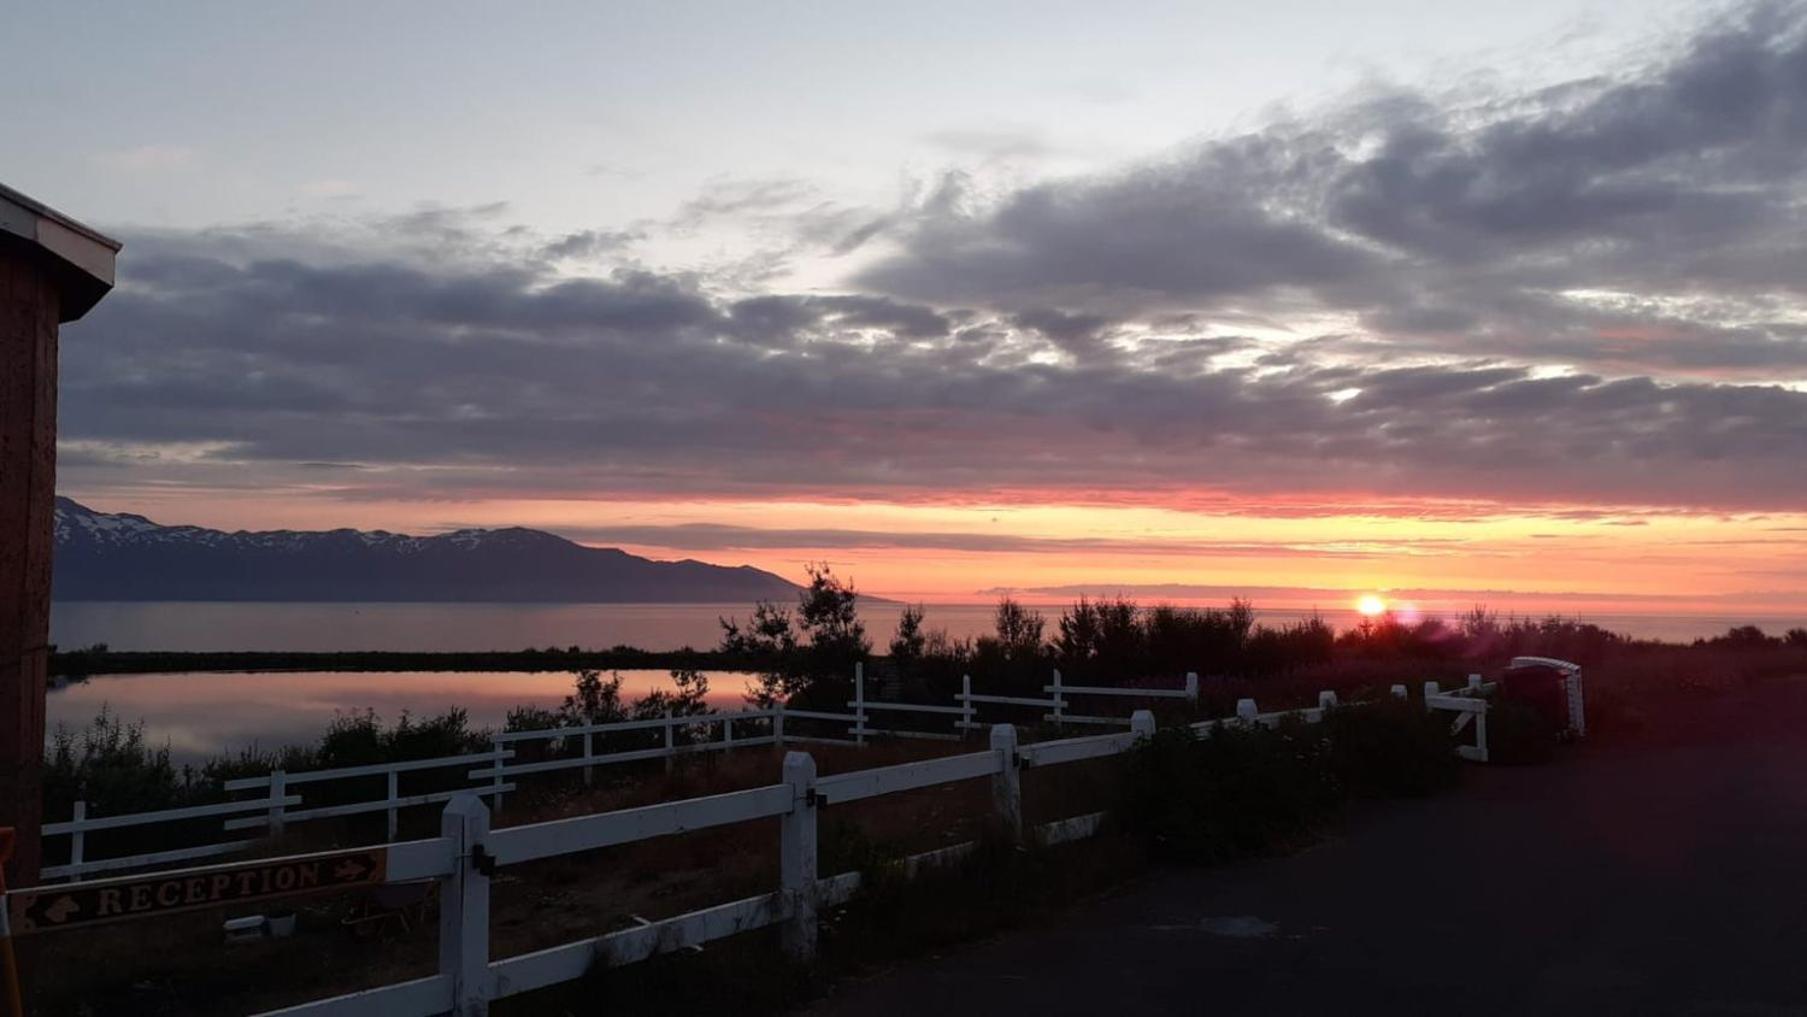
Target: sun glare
<point x="1371" y="605"/>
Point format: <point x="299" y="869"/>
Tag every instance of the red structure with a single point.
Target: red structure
<point x="52" y="270"/>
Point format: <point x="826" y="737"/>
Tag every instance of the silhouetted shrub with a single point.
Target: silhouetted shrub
<point x="1240" y="791"/>
<point x="108" y="765"/>
<point x="1392" y="748"/>
<point x="1249" y="790"/>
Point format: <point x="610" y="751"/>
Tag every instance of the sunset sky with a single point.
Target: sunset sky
<point x="1499" y="302"/>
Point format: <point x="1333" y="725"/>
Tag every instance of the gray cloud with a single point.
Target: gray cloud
<point x="1651" y="221"/>
<point x="744" y="197"/>
<point x="1157" y="237"/>
<point x="451" y="382"/>
<point x="591" y="243"/>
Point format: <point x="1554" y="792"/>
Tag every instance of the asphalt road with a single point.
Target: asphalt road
<point x="1665" y="877"/>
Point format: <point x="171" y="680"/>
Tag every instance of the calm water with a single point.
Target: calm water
<point x="199" y="715"/>
<point x="451" y="627"/>
<point x="430" y="627"/>
<point x="202" y="714"/>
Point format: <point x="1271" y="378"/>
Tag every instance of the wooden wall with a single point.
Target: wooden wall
<point x="28" y="370"/>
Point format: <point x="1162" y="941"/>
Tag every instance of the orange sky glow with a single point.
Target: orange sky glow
<point x="1439" y="556"/>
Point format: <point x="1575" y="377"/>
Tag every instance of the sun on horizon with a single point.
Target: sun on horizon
<point x="1371" y="605"/>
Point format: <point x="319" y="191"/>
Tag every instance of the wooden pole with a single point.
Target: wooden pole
<point x="9" y="962"/>
<point x="52" y="270"/>
<point x="29" y="310"/>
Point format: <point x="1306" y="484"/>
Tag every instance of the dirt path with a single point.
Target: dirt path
<point x="1663" y="877"/>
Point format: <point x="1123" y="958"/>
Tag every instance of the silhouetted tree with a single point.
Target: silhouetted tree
<point x="687" y="697"/>
<point x="828" y="613"/>
<point x="1077" y="636"/>
<point x="908" y="643"/>
<point x="813" y="650"/>
<point x="593" y="700"/>
<point x="1019" y="630"/>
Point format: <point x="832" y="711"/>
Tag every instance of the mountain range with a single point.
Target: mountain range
<point x="121" y="556"/>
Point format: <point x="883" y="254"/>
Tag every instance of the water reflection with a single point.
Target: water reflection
<point x="200" y="715"/>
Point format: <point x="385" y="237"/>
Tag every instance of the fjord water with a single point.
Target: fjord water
<point x="206" y="626"/>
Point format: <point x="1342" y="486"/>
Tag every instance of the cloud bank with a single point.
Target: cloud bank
<point x="1589" y="295"/>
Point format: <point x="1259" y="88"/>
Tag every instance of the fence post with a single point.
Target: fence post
<point x="1474" y="681"/>
<point x="495" y="779"/>
<point x="671" y="741"/>
<point x="778" y="723"/>
<point x="859" y="703"/>
<point x="1577" y="691"/>
<point x="1327" y="700"/>
<point x="1058" y="701"/>
<point x="1431" y="689"/>
<point x="394" y="793"/>
<point x="797" y="858"/>
<point x="76" y="840"/>
<point x="727" y="730"/>
<point x="1141" y="724"/>
<point x="1399" y="692"/>
<point x="1007" y="783"/>
<point x="1192" y="687"/>
<point x="464" y="907"/>
<point x="966" y="704"/>
<point x="1480" y="732"/>
<point x="1246" y="710"/>
<point x="279" y="789"/>
<point x="589" y="751"/>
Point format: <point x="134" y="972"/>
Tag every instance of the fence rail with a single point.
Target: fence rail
<point x="1470" y="706"/>
<point x="493" y="773"/>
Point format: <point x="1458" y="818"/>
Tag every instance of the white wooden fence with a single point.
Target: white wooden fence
<point x="1470" y="707"/>
<point x="1057" y="702"/>
<point x="674" y="736"/>
<point x="968" y="703"/>
<point x="274" y="809"/>
<point x="467" y="853"/>
<point x="278" y="791"/>
<point x="1470" y="704"/>
<point x="78" y="828"/>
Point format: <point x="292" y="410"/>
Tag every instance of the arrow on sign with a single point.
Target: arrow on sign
<point x="61" y="909"/>
<point x="352" y="869"/>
